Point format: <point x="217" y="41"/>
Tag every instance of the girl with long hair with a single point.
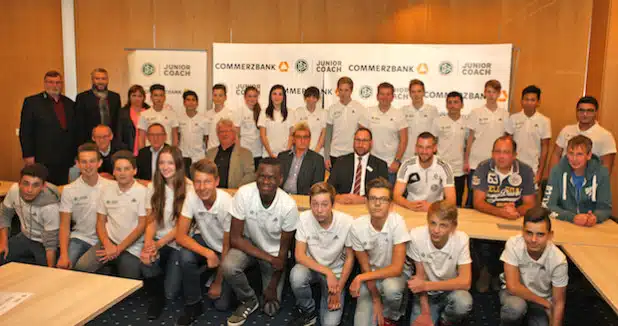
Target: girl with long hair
<point x="249" y="131"/>
<point x="275" y="123"/>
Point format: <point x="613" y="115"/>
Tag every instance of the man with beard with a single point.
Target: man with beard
<point x="96" y="106"/>
<point x="425" y="177"/>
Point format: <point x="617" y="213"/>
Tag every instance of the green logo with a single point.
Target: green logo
<point x="148" y="69"/>
<point x="301" y="65"/>
<point x="366" y="91"/>
<point x="445" y="68"/>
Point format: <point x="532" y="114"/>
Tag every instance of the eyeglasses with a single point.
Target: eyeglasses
<point x="586" y="110"/>
<point x="361" y="140"/>
<point x="379" y="200"/>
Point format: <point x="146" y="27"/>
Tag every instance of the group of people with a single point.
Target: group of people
<point x="147" y="201"/>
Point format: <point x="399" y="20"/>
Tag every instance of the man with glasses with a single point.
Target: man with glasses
<point x="603" y="143"/>
<point x="147" y="156"/>
<point x="353" y="171"/>
<point x="234" y="163"/>
<point x="104" y="139"/>
<point x="301" y="167"/>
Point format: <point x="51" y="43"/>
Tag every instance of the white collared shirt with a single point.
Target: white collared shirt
<point x="419" y="120"/>
<point x="364" y="161"/>
<point x="192" y="131"/>
<point x="81" y="200"/>
<point x="166" y="117"/>
<point x="451" y="136"/>
<point x="169" y="221"/>
<point x="426" y="184"/>
<point x="603" y="142"/>
<point x="528" y="133"/>
<point x="212" y="118"/>
<point x="385" y="127"/>
<point x="212" y="223"/>
<point x="277" y="131"/>
<point x="488" y="126"/>
<point x="249" y="132"/>
<point x="344" y="119"/>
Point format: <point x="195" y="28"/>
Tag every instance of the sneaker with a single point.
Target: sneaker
<point x="242" y="312"/>
<point x="190" y="314"/>
<point x="390" y="322"/>
<point x="155" y="308"/>
<point x="306" y="318"/>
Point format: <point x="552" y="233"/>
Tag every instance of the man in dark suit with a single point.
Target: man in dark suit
<point x="96" y="106"/>
<point x="348" y="179"/>
<point x="147" y="156"/>
<point x="47" y="130"/>
<point x="300" y="166"/>
<point x="106" y="144"/>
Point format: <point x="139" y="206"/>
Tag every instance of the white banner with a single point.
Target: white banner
<point x="443" y="68"/>
<point x="177" y="70"/>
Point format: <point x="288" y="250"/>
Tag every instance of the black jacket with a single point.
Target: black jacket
<point x="342" y="175"/>
<point x="41" y="135"/>
<point x="144" y="163"/>
<point x="87" y="110"/>
<point x="125" y="131"/>
<point x="107" y="166"/>
<point x="311" y="170"/>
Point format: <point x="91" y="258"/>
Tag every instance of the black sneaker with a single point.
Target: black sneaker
<point x="190" y="315"/>
<point x="306" y="318"/>
<point x="242" y="312"/>
<point x="155" y="308"/>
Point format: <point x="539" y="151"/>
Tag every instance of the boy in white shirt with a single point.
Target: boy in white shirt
<point x="315" y="117"/>
<point x="218" y="112"/>
<point x="450" y="130"/>
<point x="341" y="123"/>
<point x="158" y="113"/>
<point x="36" y="204"/>
<point x="379" y="241"/>
<point x="531" y="130"/>
<point x="418" y="114"/>
<point x="441" y="256"/>
<point x="324" y="255"/>
<point x="264" y="219"/>
<point x="535" y="273"/>
<point x="209" y="209"/>
<point x="121" y="221"/>
<point x="79" y="204"/>
<point x="193" y="128"/>
<point x="389" y="128"/>
<point x="425" y="177"/>
<point x="485" y="125"/>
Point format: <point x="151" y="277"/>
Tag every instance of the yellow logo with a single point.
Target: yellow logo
<point x="422" y="68"/>
<point x="503" y="96"/>
<point x="284" y="66"/>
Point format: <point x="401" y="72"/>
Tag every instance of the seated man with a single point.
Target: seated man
<point x="579" y="188"/>
<point x="36" y="204"/>
<point x="79" y="205"/>
<point x="104" y="139"/>
<point x="209" y="209"/>
<point x="379" y="241"/>
<point x="301" y="167"/>
<point x="535" y="273"/>
<point x="323" y="255"/>
<point x="426" y="177"/>
<point x="235" y="163"/>
<point x="264" y="219"/>
<point x="353" y="171"/>
<point x="503" y="186"/>
<point x="121" y="221"/>
<point x="147" y="156"/>
<point x="441" y="256"/>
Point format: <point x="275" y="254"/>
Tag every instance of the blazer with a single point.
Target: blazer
<point x="311" y="170"/>
<point x="241" y="171"/>
<point x="125" y="132"/>
<point x="342" y="175"/>
<point x="107" y="166"/>
<point x="87" y="109"/>
<point x="40" y="133"/>
<point x="144" y="164"/>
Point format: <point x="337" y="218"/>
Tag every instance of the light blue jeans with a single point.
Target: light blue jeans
<point x="451" y="307"/>
<point x="515" y="310"/>
<point x="301" y="279"/>
<point x="168" y="263"/>
<point x="77" y="248"/>
<point x="393" y="292"/>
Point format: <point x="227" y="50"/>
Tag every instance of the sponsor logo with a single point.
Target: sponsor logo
<point x="182" y="70"/>
<point x="245" y="66"/>
<point x="328" y="66"/>
<point x="240" y="88"/>
<point x="365" y="91"/>
<point x="284" y="66"/>
<point x="503" y="96"/>
<point x="476" y="69"/>
<point x="148" y="69"/>
<point x="445" y="68"/>
<point x="380" y="68"/>
<point x="301" y="65"/>
<point x="422" y="69"/>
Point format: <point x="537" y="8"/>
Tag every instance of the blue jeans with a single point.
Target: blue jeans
<point x="169" y="259"/>
<point x="24" y="250"/>
<point x="301" y="279"/>
<point x="126" y="264"/>
<point x="515" y="310"/>
<point x="393" y="292"/>
<point x="451" y="307"/>
<point x="77" y="248"/>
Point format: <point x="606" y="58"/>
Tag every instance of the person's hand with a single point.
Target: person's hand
<point x="64" y="262"/>
<point x="150" y="246"/>
<point x="270" y="292"/>
<point x="420" y="205"/>
<point x="378" y="313"/>
<point x="592" y="219"/>
<point x="393" y="167"/>
<point x="212" y="260"/>
<point x="277" y="263"/>
<point x="327" y="164"/>
<point x="581" y="219"/>
<point x="510" y="212"/>
<point x="466" y="167"/>
<point x="355" y="287"/>
<point x="146" y="257"/>
<point x="214" y="292"/>
<point x="28" y="160"/>
<point x="423" y="320"/>
<point x="4" y="248"/>
<point x="416" y="285"/>
<point x="333" y="283"/>
<point x="108" y="253"/>
<point x="334" y="301"/>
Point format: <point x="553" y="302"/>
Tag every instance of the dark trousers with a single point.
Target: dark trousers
<point x="57" y="174"/>
<point x="256" y="162"/>
<point x="333" y="159"/>
<point x="470" y="198"/>
<point x="460" y="187"/>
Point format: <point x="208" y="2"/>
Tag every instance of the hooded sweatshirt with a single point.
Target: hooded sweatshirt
<point x="40" y="219"/>
<point x="565" y="201"/>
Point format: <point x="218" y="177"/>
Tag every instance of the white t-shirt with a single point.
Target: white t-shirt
<point x="81" y="201"/>
<point x="212" y="118"/>
<point x="166" y="117"/>
<point x="169" y="221"/>
<point x="213" y="222"/>
<point x="316" y="121"/>
<point x="488" y="126"/>
<point x="539" y="276"/>
<point x="277" y="131"/>
<point x="451" y="136"/>
<point x="385" y="127"/>
<point x="528" y="132"/>
<point x="263" y="226"/>
<point x="440" y="264"/>
<point x="603" y="141"/>
<point x="326" y="246"/>
<point x="192" y="132"/>
<point x="344" y="119"/>
<point x="249" y="132"/>
<point x="419" y="120"/>
<point x="123" y="210"/>
<point x="426" y="184"/>
<point x="379" y="244"/>
<point x="33" y="219"/>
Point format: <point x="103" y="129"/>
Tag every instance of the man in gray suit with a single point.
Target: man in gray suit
<point x="235" y="163"/>
<point x="300" y="166"/>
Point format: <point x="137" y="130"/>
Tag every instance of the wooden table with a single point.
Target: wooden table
<point x="60" y="297"/>
<point x="599" y="267"/>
